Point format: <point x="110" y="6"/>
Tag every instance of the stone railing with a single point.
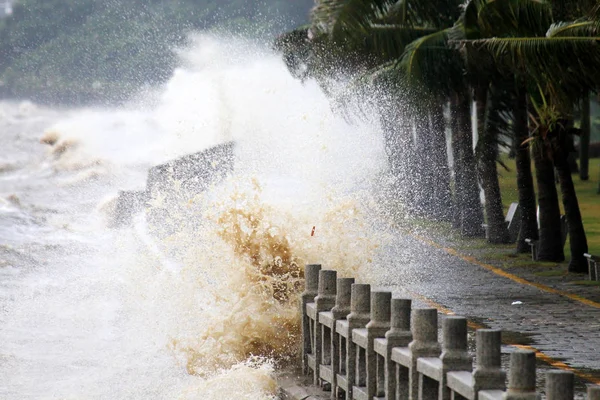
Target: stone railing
<point x="364" y="345"/>
<point x="593" y="267"/>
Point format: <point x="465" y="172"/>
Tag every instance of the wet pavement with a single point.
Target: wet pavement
<point x="565" y="330"/>
<point x="562" y="328"/>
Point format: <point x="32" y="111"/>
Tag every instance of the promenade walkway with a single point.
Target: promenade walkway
<point x="560" y="323"/>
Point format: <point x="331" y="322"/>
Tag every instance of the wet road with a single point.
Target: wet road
<point x="561" y="328"/>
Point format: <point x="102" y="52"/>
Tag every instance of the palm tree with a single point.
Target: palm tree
<point x="368" y="35"/>
<point x="434" y="73"/>
<point x="502" y="18"/>
<point x="559" y="66"/>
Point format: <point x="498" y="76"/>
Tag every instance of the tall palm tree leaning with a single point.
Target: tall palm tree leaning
<point x="502" y="18"/>
<point x="434" y="69"/>
<point x="374" y="33"/>
<point x="559" y="66"/>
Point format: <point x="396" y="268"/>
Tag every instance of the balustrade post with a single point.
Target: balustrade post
<point x="521" y="378"/>
<point x="360" y="309"/>
<point x="455" y="355"/>
<point x="376" y="328"/>
<point x="339" y="312"/>
<point x="488" y="374"/>
<point x="324" y="301"/>
<point x="593" y="392"/>
<point x="425" y="344"/>
<point x="559" y="385"/>
<point x="311" y="284"/>
<point x="399" y="335"/>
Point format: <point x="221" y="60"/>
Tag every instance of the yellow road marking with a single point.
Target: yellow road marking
<point x="538" y="354"/>
<point x="474" y="325"/>
<point x="501" y="272"/>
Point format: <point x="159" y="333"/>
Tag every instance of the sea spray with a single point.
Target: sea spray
<point x="105" y="313"/>
<point x="246" y="257"/>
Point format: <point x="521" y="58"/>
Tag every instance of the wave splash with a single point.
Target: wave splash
<point x="218" y="294"/>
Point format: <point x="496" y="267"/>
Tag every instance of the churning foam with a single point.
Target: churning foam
<point x="222" y="289"/>
<point x="242" y="245"/>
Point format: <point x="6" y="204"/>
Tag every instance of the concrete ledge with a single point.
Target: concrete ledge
<point x="326" y="318"/>
<point x="311" y="310"/>
<point x="360" y="337"/>
<point x="359" y="393"/>
<point x="431" y="367"/>
<point x="490" y="394"/>
<point x="326" y="373"/>
<point x="380" y="346"/>
<point x="311" y="361"/>
<point x="402" y="356"/>
<point x="461" y="382"/>
<point x="293" y="385"/>
<point x="342" y="328"/>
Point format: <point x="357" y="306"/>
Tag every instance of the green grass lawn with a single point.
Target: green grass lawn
<point x="589" y="199"/>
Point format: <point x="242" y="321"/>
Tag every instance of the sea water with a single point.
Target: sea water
<point x="209" y="311"/>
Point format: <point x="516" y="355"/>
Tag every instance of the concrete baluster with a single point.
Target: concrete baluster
<point x="559" y="385"/>
<point x="488" y="374"/>
<point x="424" y="324"/>
<point x="324" y="301"/>
<point x="343" y="297"/>
<point x="360" y="309"/>
<point x="455" y="355"/>
<point x="521" y="378"/>
<point x="340" y="311"/>
<point x="593" y="392"/>
<point x="399" y="335"/>
<point x="376" y="328"/>
<point x="311" y="284"/>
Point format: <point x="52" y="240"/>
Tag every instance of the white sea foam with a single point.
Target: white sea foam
<point x="212" y="307"/>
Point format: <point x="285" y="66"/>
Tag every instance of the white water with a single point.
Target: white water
<point x="88" y="312"/>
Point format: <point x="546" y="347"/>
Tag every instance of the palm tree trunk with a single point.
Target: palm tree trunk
<point x="497" y="231"/>
<point x="398" y="143"/>
<point x="550" y="246"/>
<point x="407" y="164"/>
<point x="395" y="151"/>
<point x="529" y="228"/>
<point x="471" y="211"/>
<point x="456" y="165"/>
<point x="442" y="206"/>
<point x="577" y="238"/>
<point x="584" y="140"/>
<point x="569" y="143"/>
<point x="423" y="177"/>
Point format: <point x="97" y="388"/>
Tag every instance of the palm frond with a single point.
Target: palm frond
<point x="594" y="13"/>
<point x="561" y="66"/>
<point x="340" y="18"/>
<point x="505" y="18"/>
<point x="514" y="18"/>
<point x="434" y="13"/>
<point x="388" y="42"/>
<point x="432" y="63"/>
<point x="577" y="28"/>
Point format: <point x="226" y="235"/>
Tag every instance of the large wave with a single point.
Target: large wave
<point x="219" y="294"/>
